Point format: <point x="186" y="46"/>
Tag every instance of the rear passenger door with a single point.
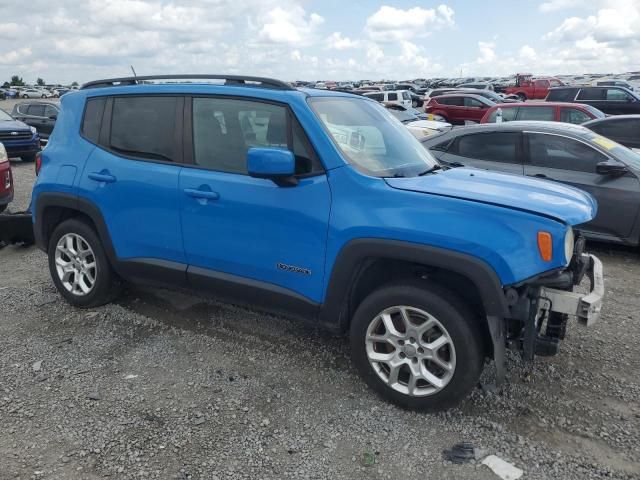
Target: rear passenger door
<point x="132" y="176"/>
<point x="245" y="231"/>
<point x="570" y="161"/>
<point x="498" y="151"/>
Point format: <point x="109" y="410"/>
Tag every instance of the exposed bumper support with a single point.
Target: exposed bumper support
<point x="585" y="307"/>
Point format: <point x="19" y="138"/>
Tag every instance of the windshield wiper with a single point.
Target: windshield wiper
<point x="430" y="170"/>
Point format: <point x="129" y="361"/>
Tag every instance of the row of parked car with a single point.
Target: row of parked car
<point x="32" y="92"/>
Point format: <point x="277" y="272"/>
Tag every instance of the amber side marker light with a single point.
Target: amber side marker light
<point x="545" y="246"/>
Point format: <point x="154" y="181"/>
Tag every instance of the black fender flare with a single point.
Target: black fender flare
<point x="334" y="310"/>
<point x="75" y="203"/>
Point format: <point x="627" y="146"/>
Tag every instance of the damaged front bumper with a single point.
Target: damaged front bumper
<point x="16" y="228"/>
<point x="585" y="307"/>
<point x="541" y="307"/>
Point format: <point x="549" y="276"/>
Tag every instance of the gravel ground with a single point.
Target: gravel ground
<point x="169" y="385"/>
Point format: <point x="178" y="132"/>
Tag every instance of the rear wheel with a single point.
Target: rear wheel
<point x="3" y="208"/>
<point x="417" y="345"/>
<point x="522" y="97"/>
<point x="79" y="266"/>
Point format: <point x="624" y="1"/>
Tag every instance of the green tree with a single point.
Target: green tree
<point x="40" y="82"/>
<point x="17" y="81"/>
<point x="74" y="84"/>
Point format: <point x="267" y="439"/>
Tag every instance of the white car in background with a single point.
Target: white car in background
<point x="35" y="93"/>
<point x="399" y="97"/>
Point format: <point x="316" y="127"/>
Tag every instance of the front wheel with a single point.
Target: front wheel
<point x="417" y="345"/>
<point x="79" y="266"/>
<point x="522" y="97"/>
<point x="25" y="96"/>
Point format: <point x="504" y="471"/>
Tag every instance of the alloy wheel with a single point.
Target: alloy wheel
<point x="75" y="264"/>
<point x="411" y="351"/>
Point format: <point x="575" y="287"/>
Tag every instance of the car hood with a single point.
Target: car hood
<point x="14" y="125"/>
<point x="566" y="204"/>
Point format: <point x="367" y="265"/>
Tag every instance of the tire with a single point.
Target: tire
<point x="414" y="104"/>
<point x="44" y="96"/>
<point x="462" y="345"/>
<point x="105" y="285"/>
<point x="28" y="158"/>
<point x="522" y="97"/>
<point x="3" y="207"/>
<point x="25" y="96"/>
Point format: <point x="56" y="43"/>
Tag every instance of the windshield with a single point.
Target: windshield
<point x="618" y="151"/>
<point x="372" y="139"/>
<point x="4" y="116"/>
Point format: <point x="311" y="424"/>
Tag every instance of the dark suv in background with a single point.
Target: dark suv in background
<point x="40" y="115"/>
<point x="611" y="100"/>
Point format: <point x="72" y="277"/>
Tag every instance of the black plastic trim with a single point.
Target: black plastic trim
<point x="153" y="271"/>
<point x="252" y="293"/>
<point x="334" y="312"/>
<point x="232" y="80"/>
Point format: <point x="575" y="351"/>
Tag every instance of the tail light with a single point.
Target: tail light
<point x="38" y="163"/>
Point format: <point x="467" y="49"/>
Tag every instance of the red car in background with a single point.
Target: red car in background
<point x="575" y="113"/>
<point x="6" y="180"/>
<point x="459" y="108"/>
<point x="528" y="88"/>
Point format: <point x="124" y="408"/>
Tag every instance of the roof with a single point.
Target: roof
<point x="612" y="118"/>
<point x="541" y="104"/>
<point x="518" y="126"/>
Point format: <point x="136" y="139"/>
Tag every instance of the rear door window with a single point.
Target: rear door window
<point x="591" y="94"/>
<point x="555" y="151"/>
<point x="536" y="113"/>
<point x="393" y="97"/>
<point x="36" y="110"/>
<point x="492" y="147"/>
<point x="145" y="127"/>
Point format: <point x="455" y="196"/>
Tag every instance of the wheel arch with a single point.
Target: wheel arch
<point x="363" y="263"/>
<point x="52" y="208"/>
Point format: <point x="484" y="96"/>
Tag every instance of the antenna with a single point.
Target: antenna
<point x="134" y="73"/>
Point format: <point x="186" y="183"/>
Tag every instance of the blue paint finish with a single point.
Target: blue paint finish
<point x="567" y="204"/>
<point x="139" y="202"/>
<point x="270" y="162"/>
<point x="253" y="225"/>
<point x="506" y="239"/>
<point x="246" y="226"/>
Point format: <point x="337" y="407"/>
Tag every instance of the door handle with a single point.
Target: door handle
<point x="102" y="177"/>
<point x="204" y="194"/>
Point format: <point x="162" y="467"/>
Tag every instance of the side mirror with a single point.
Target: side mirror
<point x="53" y="117"/>
<point x="277" y="164"/>
<point x="610" y="168"/>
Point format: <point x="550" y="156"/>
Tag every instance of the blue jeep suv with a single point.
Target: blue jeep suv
<point x="319" y="205"/>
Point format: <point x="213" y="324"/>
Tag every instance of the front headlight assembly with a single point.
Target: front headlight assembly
<point x="569" y="244"/>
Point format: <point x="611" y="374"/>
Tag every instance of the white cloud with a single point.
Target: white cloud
<point x="390" y="24"/>
<point x="337" y="42"/>
<point x="554" y="5"/>
<point x="290" y="26"/>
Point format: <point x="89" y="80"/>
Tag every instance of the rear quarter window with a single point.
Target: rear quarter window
<point x="92" y="120"/>
<point x="508" y="114"/>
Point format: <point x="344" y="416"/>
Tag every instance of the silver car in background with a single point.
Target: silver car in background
<point x="564" y="153"/>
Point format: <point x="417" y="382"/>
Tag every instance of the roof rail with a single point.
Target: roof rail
<point x="229" y="80"/>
